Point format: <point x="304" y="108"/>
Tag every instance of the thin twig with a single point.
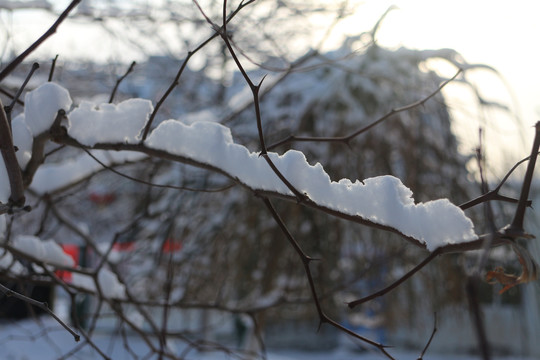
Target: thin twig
<point x="42" y="305"/>
<point x="53" y="67"/>
<point x="11" y="96"/>
<point x="494" y="194"/>
<point x="10" y="107"/>
<point x="256" y="101"/>
<point x="151" y="184"/>
<point x="323" y="318"/>
<point x="120" y="79"/>
<point x="396" y="283"/>
<point x="16" y="198"/>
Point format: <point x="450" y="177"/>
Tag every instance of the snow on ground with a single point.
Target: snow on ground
<point x="26" y="340"/>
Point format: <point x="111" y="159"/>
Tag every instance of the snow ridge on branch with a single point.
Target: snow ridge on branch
<point x="381" y="200"/>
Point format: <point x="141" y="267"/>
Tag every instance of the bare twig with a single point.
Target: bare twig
<point x="516" y="227"/>
<point x="494" y="194"/>
<point x="11" y="96"/>
<point x="53" y="67"/>
<point x="255" y="88"/>
<point x="42" y="305"/>
<point x="120" y="79"/>
<point x="396" y="283"/>
<point x="148" y="183"/>
<point x="430" y="338"/>
<point x="9" y="108"/>
<point x="176" y="80"/>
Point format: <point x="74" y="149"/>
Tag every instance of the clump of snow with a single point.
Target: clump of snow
<point x="109" y="123"/>
<point x="42" y="104"/>
<point x="109" y="284"/>
<point x="8" y="262"/>
<point x="47" y="251"/>
<point x="383" y="200"/>
<point x="22" y="139"/>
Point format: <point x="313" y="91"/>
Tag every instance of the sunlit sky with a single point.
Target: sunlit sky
<point x="502" y="34"/>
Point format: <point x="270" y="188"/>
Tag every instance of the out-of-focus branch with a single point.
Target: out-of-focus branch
<point x="120" y="79"/>
<point x="53" y="67"/>
<point x="176" y="80"/>
<point x="42" y="305"/>
<point x="10" y="160"/>
<point x="421" y="357"/>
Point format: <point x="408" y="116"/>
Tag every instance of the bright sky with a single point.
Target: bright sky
<point x="502" y="34"/>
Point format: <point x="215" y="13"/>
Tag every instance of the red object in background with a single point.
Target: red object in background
<point x="74" y="252"/>
<point x="124" y="246"/>
<point x="171" y="245"/>
<point x="102" y="198"/>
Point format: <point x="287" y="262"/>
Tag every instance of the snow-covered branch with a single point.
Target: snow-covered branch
<point x="382" y="202"/>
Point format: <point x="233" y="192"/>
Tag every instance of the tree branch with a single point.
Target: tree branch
<point x="516" y="227"/>
<point x="10" y="160"/>
<point x="42" y="305"/>
<point x="347" y="138"/>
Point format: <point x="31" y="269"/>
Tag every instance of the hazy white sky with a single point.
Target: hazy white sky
<point x="502" y="34"/>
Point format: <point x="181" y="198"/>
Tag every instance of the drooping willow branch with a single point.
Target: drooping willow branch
<point x="42" y="305"/>
<point x="17" y="197"/>
<point x="347" y="138"/>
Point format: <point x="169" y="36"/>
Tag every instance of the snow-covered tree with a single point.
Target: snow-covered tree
<point x="248" y="200"/>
